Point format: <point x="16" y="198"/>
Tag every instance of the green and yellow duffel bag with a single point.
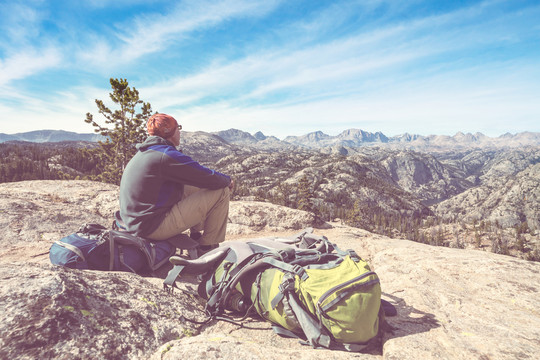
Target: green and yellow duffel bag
<point x="343" y="296"/>
<point x="316" y="292"/>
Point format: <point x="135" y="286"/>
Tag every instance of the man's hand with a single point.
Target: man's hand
<point x="231" y="185"/>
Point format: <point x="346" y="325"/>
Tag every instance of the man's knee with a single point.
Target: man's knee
<point x="224" y="194"/>
<point x="227" y="192"/>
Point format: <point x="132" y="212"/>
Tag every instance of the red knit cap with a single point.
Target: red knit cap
<point x="161" y="125"/>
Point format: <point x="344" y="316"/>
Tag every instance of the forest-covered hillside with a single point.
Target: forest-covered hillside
<point x="486" y="199"/>
<point x="47" y="161"/>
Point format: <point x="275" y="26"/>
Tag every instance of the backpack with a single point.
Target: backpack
<point x="95" y="247"/>
<point x="305" y="286"/>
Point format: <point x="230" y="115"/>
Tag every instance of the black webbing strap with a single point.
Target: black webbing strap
<point x="121" y="258"/>
<point x="170" y="280"/>
<point x="295" y="269"/>
<point x="245" y="267"/>
<point x="111" y="251"/>
<point x="216" y="293"/>
<point x="316" y="334"/>
<point x="332" y="344"/>
<point x="281" y="331"/>
<point x="287" y="284"/>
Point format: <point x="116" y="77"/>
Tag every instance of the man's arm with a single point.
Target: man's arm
<point x="181" y="168"/>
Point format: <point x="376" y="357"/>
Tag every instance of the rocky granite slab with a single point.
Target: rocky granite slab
<point x="451" y="303"/>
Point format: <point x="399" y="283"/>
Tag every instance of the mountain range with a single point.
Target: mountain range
<point x="389" y="182"/>
<point x="42" y="136"/>
<point x="343" y="142"/>
<point x="353" y="138"/>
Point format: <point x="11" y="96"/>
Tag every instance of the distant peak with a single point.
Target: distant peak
<point x="235" y="135"/>
<point x="259" y="136"/>
<point x="317" y="135"/>
<point x="362" y="136"/>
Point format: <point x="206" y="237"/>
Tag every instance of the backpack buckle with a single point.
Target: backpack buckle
<point x="287" y="255"/>
<point x="354" y="256"/>
<point x="286" y="285"/>
<point x="301" y="272"/>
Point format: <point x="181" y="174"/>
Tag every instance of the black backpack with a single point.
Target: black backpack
<point x="97" y="248"/>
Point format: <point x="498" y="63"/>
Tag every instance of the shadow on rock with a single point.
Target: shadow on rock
<point x="408" y="321"/>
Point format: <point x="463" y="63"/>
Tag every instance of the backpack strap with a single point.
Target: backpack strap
<point x="316" y="334"/>
<point x="72" y="248"/>
<point x="216" y="301"/>
<point x="255" y="262"/>
<point x="281" y="331"/>
<point x="123" y="238"/>
<point x="121" y="258"/>
<point x="195" y="266"/>
<point x="350" y="252"/>
<point x="170" y="280"/>
<point x="286" y="286"/>
<point x="294" y="269"/>
<point x="111" y="251"/>
<point x="333" y="345"/>
<point x="92" y="229"/>
<point x="126" y="239"/>
<point x="202" y="264"/>
<point x="220" y="296"/>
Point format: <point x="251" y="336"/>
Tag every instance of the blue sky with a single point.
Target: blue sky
<point x="281" y="67"/>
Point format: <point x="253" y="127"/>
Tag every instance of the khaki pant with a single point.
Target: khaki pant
<point x="199" y="209"/>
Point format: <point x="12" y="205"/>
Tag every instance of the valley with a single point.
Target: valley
<point x="466" y="191"/>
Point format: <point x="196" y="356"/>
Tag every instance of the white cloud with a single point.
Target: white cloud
<point x="150" y="33"/>
<point x="28" y="62"/>
<point x="20" y="23"/>
<point x="387" y="61"/>
<point x="492" y="98"/>
<point x="392" y="77"/>
<point x="64" y="109"/>
<point x="426" y="113"/>
<point x="330" y="69"/>
<point x="99" y="4"/>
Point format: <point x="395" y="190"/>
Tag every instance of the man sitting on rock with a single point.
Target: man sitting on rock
<point x="164" y="192"/>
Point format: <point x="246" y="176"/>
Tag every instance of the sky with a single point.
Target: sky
<point x="281" y="67"/>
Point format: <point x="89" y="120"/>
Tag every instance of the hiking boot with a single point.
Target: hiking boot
<point x="195" y="235"/>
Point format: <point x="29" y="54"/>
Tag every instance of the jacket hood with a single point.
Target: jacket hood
<point x="153" y="140"/>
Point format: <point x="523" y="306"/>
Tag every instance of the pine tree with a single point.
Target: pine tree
<point x="128" y="129"/>
<point x="283" y="196"/>
<point x="354" y="215"/>
<point x="521" y="242"/>
<point x="304" y="195"/>
<point x="477" y="238"/>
